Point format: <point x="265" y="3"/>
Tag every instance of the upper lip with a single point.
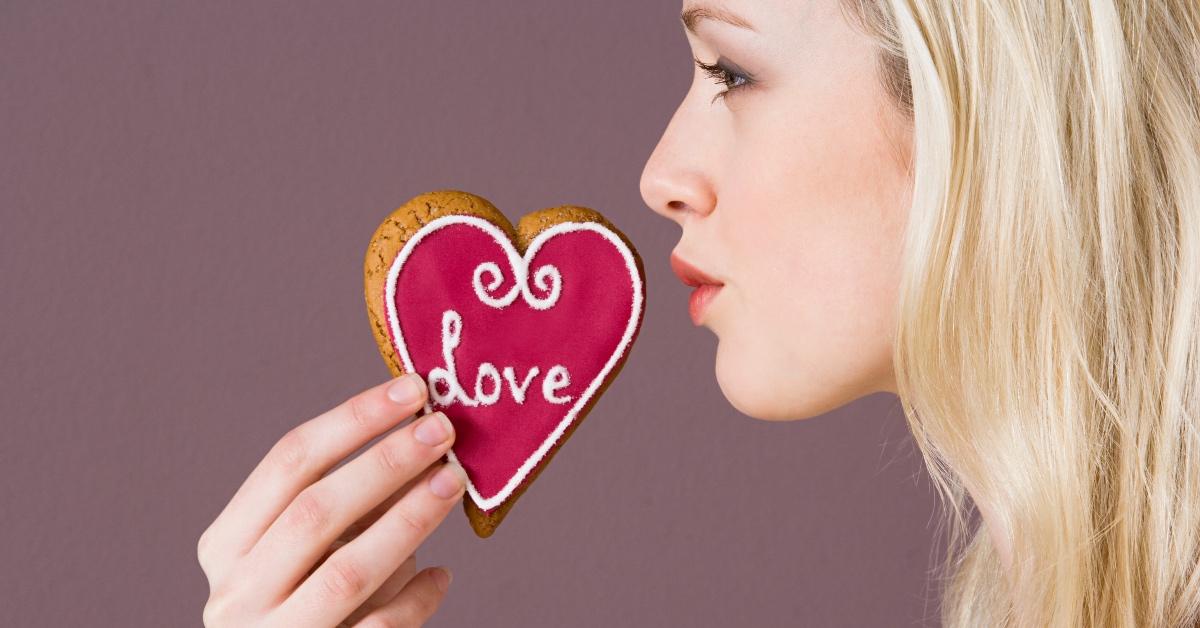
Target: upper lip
<point x="690" y="275"/>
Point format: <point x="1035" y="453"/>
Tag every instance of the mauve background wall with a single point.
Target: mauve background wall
<point x="188" y="190"/>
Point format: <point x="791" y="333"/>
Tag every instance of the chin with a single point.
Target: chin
<point x="748" y="389"/>
<point x="788" y="394"/>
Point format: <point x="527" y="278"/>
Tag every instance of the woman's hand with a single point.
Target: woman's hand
<point x="296" y="547"/>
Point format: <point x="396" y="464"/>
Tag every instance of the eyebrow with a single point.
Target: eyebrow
<point x="693" y="15"/>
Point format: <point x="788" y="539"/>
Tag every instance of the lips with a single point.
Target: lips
<point x="706" y="287"/>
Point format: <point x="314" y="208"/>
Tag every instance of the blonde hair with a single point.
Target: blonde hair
<point x="1048" y="329"/>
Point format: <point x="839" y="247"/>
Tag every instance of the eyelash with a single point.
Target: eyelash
<point x="724" y="76"/>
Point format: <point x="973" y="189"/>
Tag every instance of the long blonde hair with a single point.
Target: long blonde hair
<point x="1047" y="348"/>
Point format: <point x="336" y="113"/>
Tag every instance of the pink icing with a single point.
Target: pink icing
<point x="588" y="331"/>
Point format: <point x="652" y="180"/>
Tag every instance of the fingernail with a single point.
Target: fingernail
<point x="448" y="481"/>
<point x="406" y="389"/>
<point x="433" y="429"/>
<point x="442" y="578"/>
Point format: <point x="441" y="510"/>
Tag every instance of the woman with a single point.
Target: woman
<point x="988" y="207"/>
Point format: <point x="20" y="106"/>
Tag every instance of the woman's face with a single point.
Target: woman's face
<point x="792" y="190"/>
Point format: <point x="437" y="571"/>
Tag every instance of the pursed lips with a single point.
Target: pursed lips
<point x="705" y="287"/>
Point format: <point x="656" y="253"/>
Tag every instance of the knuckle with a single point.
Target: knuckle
<point x="306" y="513"/>
<point x="363" y="411"/>
<point x="211" y="616"/>
<point x="393" y="455"/>
<point x="410" y="520"/>
<point x="219" y="611"/>
<point x="343" y="580"/>
<point x="290" y="453"/>
<point x="204" y="552"/>
<point x="202" y="546"/>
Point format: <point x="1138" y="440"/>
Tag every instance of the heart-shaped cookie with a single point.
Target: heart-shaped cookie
<point x="517" y="331"/>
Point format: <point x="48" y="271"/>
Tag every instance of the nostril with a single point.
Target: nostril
<point x="676" y="205"/>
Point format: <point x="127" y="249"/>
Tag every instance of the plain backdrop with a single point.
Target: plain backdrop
<point x="187" y="192"/>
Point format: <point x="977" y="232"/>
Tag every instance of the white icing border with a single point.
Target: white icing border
<point x="517" y="262"/>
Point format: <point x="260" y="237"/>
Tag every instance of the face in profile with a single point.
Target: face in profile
<point x="785" y="166"/>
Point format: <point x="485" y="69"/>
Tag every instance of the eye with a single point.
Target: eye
<point x="727" y="76"/>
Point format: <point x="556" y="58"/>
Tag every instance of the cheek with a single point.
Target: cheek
<point x="816" y="264"/>
<point x="808" y="326"/>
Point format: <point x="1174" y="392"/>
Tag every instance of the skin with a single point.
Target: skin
<point x="792" y="191"/>
<point x="304" y="544"/>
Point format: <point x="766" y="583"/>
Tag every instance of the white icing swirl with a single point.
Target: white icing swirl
<point x="547" y="279"/>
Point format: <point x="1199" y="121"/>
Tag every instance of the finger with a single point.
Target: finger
<point x="375" y="513"/>
<point x="394" y="583"/>
<point x="321" y="512"/>
<point x="362" y="524"/>
<point x="415" y="603"/>
<point x="357" y="570"/>
<point x="387" y="590"/>
<point x="300" y="458"/>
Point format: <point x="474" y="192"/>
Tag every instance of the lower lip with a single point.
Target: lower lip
<point x="699" y="300"/>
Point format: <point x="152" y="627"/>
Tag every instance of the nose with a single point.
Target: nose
<point x="674" y="182"/>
